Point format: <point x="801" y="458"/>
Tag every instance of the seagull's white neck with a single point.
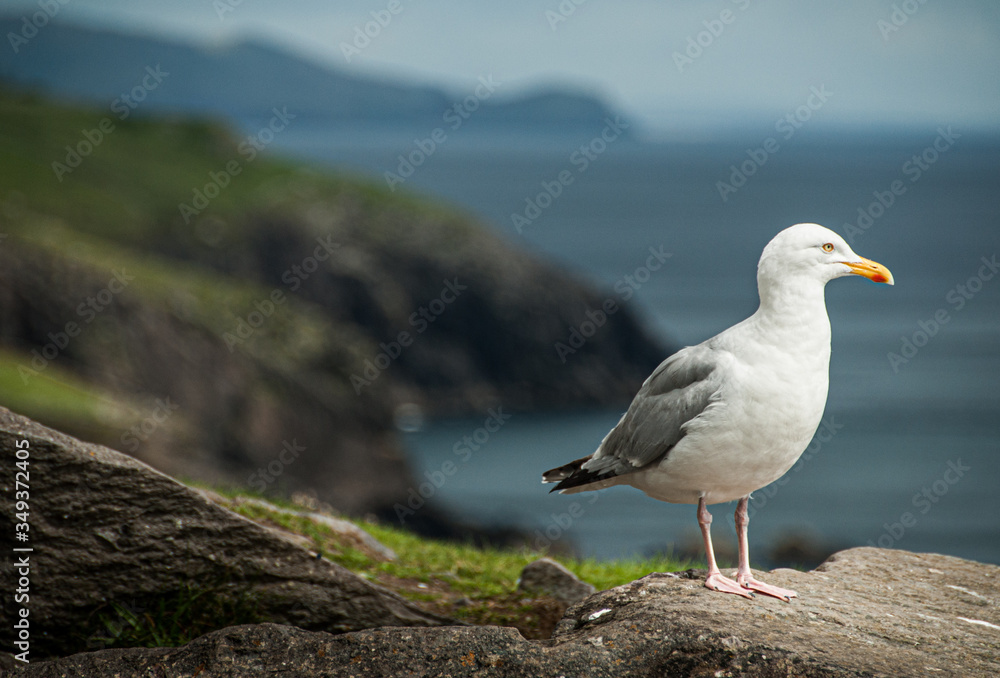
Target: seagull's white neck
<point x="794" y="307"/>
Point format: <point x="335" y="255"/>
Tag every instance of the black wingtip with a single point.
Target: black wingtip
<point x="561" y="473"/>
<point x="580" y="478"/>
<point x="573" y="475"/>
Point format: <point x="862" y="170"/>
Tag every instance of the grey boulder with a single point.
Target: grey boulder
<point x="547" y="577"/>
<point x="865" y="612"/>
<point x="105" y="527"/>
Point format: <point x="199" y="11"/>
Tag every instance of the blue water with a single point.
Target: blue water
<point x="898" y="427"/>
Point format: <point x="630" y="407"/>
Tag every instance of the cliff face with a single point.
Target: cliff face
<point x="456" y="320"/>
<point x="172" y="393"/>
<point x="264" y="336"/>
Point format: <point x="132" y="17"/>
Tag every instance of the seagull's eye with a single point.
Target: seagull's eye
<point x="828" y="247"/>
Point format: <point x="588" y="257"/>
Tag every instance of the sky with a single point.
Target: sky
<point x="666" y="64"/>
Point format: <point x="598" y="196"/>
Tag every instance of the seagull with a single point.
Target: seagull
<point x="717" y="421"/>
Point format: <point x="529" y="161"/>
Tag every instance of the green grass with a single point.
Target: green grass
<point x="477" y="585"/>
<point x="297" y="332"/>
<point x="55" y="395"/>
<point x="295" y="337"/>
<point x="129" y="188"/>
<point x="469" y="584"/>
<point x="169" y="620"/>
<point x="119" y="210"/>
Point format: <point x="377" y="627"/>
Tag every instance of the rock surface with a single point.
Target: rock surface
<point x="345" y="528"/>
<point x="548" y="577"/>
<point x="865" y="612"/>
<point x="106" y="528"/>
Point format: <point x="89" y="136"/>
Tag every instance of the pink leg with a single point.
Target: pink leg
<point x="743" y="575"/>
<point x="715" y="580"/>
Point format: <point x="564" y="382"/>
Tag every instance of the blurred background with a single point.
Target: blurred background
<point x="405" y="256"/>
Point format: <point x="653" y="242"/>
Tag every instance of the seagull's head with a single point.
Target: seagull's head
<point x="811" y="251"/>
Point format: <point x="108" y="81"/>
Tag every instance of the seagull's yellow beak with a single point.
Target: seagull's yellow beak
<point x="872" y="270"/>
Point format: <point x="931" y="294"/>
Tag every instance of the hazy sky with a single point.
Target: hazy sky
<point x="937" y="63"/>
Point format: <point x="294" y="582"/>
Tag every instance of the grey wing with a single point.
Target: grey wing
<point x="679" y="390"/>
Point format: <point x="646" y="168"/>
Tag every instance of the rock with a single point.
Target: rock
<point x="106" y="528"/>
<point x="550" y="578"/>
<point x="865" y="612"/>
<point x="349" y="531"/>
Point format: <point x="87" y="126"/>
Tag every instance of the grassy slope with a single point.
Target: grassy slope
<point x="476" y="586"/>
<point x="117" y="205"/>
<point x="460" y="581"/>
<point x="59" y="394"/>
<point x="104" y="213"/>
<point x="457" y="580"/>
<point x="114" y="195"/>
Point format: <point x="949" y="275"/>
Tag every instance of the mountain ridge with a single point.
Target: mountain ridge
<point x="244" y="80"/>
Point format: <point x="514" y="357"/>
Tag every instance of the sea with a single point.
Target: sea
<point x="908" y="455"/>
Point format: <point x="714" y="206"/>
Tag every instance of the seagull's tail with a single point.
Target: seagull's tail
<point x="573" y="478"/>
<point x="565" y="471"/>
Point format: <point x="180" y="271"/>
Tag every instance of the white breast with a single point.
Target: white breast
<point x="769" y="408"/>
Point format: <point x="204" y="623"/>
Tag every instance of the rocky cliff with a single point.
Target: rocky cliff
<point x="229" y="317"/>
